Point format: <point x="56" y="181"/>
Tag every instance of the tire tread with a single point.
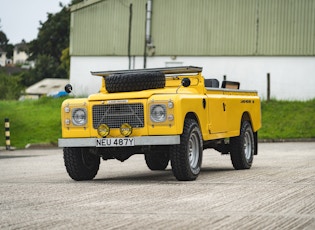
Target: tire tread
<point x="179" y="161"/>
<point x="75" y="165"/>
<point x="134" y="82"/>
<point x="237" y="156"/>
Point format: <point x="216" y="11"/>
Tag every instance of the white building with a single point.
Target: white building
<point x="20" y="56"/>
<point x="2" y="58"/>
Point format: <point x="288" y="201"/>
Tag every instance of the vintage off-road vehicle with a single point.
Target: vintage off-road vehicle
<point x="167" y="114"/>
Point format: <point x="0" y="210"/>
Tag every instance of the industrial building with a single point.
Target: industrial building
<point x="241" y="40"/>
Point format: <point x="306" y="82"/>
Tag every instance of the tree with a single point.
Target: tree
<point x="3" y="39"/>
<point x="9" y="49"/>
<point x="65" y="60"/>
<point x="50" y="50"/>
<point x="46" y="49"/>
<point x="10" y="86"/>
<point x="53" y="36"/>
<point x="4" y="44"/>
<point x="46" y="67"/>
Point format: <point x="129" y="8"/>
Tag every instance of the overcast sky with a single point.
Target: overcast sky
<point x="20" y="18"/>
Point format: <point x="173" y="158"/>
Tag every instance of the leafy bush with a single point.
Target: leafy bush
<point x="45" y="67"/>
<point x="10" y="87"/>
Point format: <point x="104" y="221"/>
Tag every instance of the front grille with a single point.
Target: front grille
<point x="114" y="115"/>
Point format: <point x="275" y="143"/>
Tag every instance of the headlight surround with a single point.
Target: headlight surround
<point x="79" y="116"/>
<point x="158" y="113"/>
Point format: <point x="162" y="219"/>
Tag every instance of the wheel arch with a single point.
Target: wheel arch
<point x="246" y="117"/>
<point x="251" y="117"/>
<point x="194" y="116"/>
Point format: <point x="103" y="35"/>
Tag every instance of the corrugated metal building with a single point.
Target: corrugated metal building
<point x="243" y="39"/>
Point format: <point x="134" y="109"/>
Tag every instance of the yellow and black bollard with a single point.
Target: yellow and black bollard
<point x="7" y="134"/>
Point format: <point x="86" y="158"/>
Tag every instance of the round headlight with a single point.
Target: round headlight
<point x="103" y="130"/>
<point x="158" y="113"/>
<point x="79" y="116"/>
<point x="125" y="129"/>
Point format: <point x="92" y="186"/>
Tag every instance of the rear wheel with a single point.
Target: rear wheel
<point x="186" y="158"/>
<point x="243" y="147"/>
<point x="80" y="163"/>
<point x="157" y="160"/>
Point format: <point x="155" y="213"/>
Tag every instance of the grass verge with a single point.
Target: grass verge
<point x="288" y="119"/>
<point x="32" y="121"/>
<point x="38" y="121"/>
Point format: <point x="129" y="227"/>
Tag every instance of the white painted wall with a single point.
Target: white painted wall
<point x="292" y="78"/>
<point x="2" y="58"/>
<point x="19" y="57"/>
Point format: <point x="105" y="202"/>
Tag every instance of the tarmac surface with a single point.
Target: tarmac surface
<point x="278" y="192"/>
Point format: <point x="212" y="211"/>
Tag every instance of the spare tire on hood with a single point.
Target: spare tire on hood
<point x="134" y="81"/>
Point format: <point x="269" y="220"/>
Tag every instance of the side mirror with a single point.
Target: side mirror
<point x="186" y="82"/>
<point x="68" y="88"/>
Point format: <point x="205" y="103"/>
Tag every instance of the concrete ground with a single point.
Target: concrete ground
<point x="278" y="192"/>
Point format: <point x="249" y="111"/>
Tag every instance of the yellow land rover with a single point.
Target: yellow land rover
<point x="166" y="114"/>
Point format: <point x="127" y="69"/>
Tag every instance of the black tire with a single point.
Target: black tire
<point x="157" y="160"/>
<point x="243" y="147"/>
<point x="80" y="163"/>
<point x="134" y="81"/>
<point x="186" y="158"/>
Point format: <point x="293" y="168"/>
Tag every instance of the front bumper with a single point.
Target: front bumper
<point x="139" y="141"/>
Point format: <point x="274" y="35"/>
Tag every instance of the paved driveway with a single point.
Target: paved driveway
<point x="278" y="192"/>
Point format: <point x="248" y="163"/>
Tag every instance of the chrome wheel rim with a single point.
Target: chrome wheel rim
<point x="193" y="151"/>
<point x="247" y="146"/>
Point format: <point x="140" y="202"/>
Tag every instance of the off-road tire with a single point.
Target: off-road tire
<point x="157" y="160"/>
<point x="186" y="158"/>
<point x="134" y="81"/>
<point x="80" y="163"/>
<point x="243" y="147"/>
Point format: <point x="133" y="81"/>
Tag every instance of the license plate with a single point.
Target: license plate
<point x="115" y="142"/>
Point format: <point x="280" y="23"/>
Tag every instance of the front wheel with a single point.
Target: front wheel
<point x="80" y="163"/>
<point x="186" y="157"/>
<point x="243" y="147"/>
